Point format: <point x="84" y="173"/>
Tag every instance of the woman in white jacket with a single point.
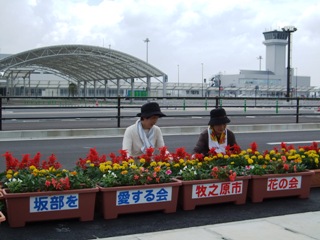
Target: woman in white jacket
<point x="144" y="133"/>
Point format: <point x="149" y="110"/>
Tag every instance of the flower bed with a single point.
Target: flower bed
<point x="150" y="171"/>
<point x="40" y="192"/>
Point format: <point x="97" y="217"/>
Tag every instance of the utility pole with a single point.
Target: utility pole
<point x="289" y="30"/>
<point x="147" y="42"/>
<point x="259" y="58"/>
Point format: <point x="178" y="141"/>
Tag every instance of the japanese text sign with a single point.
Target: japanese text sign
<point x="217" y="189"/>
<point x="146" y="195"/>
<point x="284" y="183"/>
<point x="54" y="203"/>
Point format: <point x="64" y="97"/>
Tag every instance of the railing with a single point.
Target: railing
<point x="182" y="103"/>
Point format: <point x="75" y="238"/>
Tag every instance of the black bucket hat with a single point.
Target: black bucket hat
<point x="150" y="109"/>
<point x="218" y="116"/>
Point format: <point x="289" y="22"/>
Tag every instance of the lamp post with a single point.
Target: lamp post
<point x="289" y="30"/>
<point x="296" y="82"/>
<point x="259" y="58"/>
<point x="219" y="83"/>
<point x="202" y="78"/>
<point x="147" y="42"/>
<point x="268" y="83"/>
<point x="178" y="81"/>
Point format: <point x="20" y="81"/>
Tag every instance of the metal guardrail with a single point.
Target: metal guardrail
<point x="118" y="103"/>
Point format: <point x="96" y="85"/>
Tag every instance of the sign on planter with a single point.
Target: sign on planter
<point x="284" y="183"/>
<point x="217" y="189"/>
<point x="54" y="203"/>
<point x="146" y="195"/>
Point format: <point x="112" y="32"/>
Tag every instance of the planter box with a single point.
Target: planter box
<point x="142" y="198"/>
<point x="280" y="185"/>
<point x="315" y="180"/>
<point x="213" y="191"/>
<point x="51" y="205"/>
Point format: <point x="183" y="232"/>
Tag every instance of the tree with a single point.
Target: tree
<point x="73" y="89"/>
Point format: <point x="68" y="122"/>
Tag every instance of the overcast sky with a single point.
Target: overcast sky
<point x="208" y="36"/>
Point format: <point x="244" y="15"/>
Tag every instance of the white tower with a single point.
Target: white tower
<point x="276" y="42"/>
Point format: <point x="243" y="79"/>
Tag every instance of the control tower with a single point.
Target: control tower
<point x="276" y="42"/>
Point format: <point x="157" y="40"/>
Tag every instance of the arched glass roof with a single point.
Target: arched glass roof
<point x="80" y="63"/>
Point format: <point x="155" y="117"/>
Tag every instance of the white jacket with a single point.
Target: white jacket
<point x="133" y="144"/>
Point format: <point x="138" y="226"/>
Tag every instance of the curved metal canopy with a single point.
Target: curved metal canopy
<point x="81" y="63"/>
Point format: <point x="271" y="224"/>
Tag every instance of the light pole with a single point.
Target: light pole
<point x="289" y="30"/>
<point x="202" y="78"/>
<point x="259" y="58"/>
<point x="147" y="42"/>
<point x="296" y="82"/>
<point x="268" y="83"/>
<point x="178" y="81"/>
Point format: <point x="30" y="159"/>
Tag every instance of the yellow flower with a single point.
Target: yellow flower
<point x="142" y="160"/>
<point x="133" y="166"/>
<point x="32" y="167"/>
<point x="124" y="172"/>
<point x="9" y="176"/>
<point x="153" y="164"/>
<point x="131" y="160"/>
<point x="176" y="165"/>
<point x="250" y="161"/>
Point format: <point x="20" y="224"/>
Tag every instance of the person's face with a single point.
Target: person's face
<point x="147" y="123"/>
<point x="219" y="129"/>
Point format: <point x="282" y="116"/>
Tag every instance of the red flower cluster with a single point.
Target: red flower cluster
<point x="60" y="184"/>
<point x="14" y="164"/>
<point x="223" y="173"/>
<point x="94" y="158"/>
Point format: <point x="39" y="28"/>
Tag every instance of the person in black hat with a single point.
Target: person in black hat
<point x="144" y="133"/>
<point x="217" y="135"/>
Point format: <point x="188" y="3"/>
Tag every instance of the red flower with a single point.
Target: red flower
<point x="254" y="147"/>
<point x="286" y="166"/>
<point x="232" y="176"/>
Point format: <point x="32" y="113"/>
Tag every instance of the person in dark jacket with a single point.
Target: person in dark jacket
<point x="217" y="135"/>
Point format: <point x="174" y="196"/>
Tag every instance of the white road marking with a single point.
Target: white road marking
<point x="299" y="142"/>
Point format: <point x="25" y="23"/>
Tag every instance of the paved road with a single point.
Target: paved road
<point x="190" y="117"/>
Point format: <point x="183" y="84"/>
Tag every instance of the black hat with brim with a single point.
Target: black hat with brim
<point x="218" y="116"/>
<point x="150" y="109"/>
